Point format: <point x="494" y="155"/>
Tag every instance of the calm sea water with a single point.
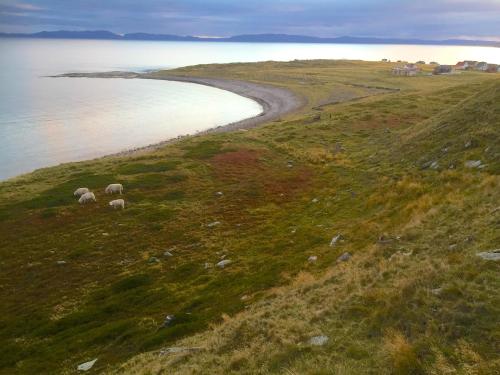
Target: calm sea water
<point x="46" y="121"/>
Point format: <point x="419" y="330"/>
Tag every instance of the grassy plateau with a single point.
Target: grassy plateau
<point x="384" y="161"/>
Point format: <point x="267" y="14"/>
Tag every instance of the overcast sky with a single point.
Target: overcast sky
<point x="429" y="19"/>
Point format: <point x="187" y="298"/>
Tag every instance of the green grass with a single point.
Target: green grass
<point x="356" y="170"/>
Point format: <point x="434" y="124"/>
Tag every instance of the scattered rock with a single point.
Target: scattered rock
<point x="175" y="350"/>
<point x="344" y="257"/>
<point x="315" y="200"/>
<point x="224" y="263"/>
<point x="490" y="255"/>
<point x="167" y="253"/>
<point x="470" y="238"/>
<point x="312" y="258"/>
<point x="168" y="320"/>
<point x="87" y="365"/>
<point x="436" y="291"/>
<point x="318" y="340"/>
<point x="105" y="234"/>
<point x="469" y="143"/>
<point x="219" y="193"/>
<point x="335" y="240"/>
<point x="245" y="298"/>
<point x="384" y="239"/>
<point x="215" y="223"/>
<point x="453" y="246"/>
<point x="338" y="148"/>
<point x="473" y="163"/>
<point x="153" y="260"/>
<point x="208" y="265"/>
<point x="61" y="262"/>
<point x="434" y="165"/>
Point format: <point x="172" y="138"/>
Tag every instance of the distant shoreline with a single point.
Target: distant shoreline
<point x="275" y="101"/>
<point x="251" y="38"/>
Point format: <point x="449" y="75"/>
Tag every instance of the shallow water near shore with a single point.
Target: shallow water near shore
<point x="46" y="121"/>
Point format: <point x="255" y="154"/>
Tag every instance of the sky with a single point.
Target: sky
<point x="425" y="19"/>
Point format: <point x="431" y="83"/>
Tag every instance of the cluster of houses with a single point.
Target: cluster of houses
<point x="412" y="69"/>
<point x="475" y="65"/>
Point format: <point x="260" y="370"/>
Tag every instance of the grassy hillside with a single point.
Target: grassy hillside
<point x="379" y="159"/>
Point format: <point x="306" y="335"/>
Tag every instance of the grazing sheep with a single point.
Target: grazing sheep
<point x="87" y="197"/>
<point x="114" y="188"/>
<point x="118" y="203"/>
<point x="80" y="191"/>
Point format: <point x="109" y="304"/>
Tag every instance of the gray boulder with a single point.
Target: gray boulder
<point x="490" y="255"/>
<point x="318" y="340"/>
<point x="344" y="257"/>
<point x="224" y="263"/>
<point x="87" y="365"/>
<point x="153" y="260"/>
<point x="473" y="163"/>
<point x="335" y="240"/>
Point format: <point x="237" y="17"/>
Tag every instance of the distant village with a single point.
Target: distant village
<point x="410" y="69"/>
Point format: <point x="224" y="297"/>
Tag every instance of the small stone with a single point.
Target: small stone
<point x="312" y="258"/>
<point x="434" y="165"/>
<point x="452" y="246"/>
<point x="344" y="257"/>
<point x="244" y="298"/>
<point x="175" y="350"/>
<point x="87" y="365"/>
<point x="168" y="320"/>
<point x="105" y="234"/>
<point x="490" y="255"/>
<point x="436" y="291"/>
<point x="208" y="265"/>
<point x="61" y="262"/>
<point x="215" y="223"/>
<point x="224" y="263"/>
<point x="152" y="260"/>
<point x="168" y="254"/>
<point x="315" y="200"/>
<point x="335" y="240"/>
<point x="318" y="340"/>
<point x="473" y="163"/>
<point x="219" y="193"/>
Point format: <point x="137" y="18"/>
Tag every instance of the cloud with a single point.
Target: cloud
<point x="382" y="18"/>
<point x="22" y="6"/>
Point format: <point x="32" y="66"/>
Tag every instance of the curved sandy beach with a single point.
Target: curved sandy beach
<point x="275" y="101"/>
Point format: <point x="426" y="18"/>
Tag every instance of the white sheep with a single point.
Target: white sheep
<point x="114" y="188"/>
<point x="118" y="203"/>
<point x="87" y="197"/>
<point x="80" y="191"/>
